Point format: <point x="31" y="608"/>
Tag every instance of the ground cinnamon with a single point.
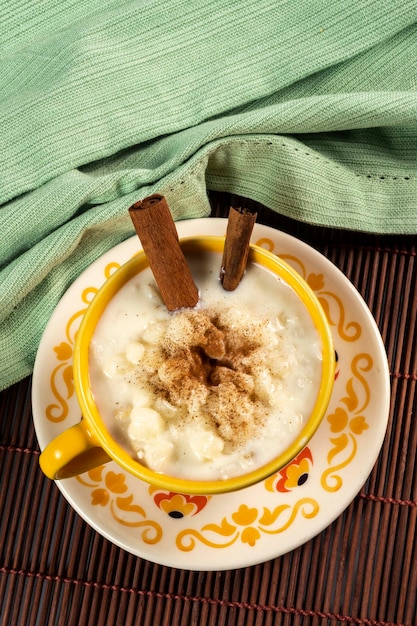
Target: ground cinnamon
<point x="156" y="230"/>
<point x="236" y="247"/>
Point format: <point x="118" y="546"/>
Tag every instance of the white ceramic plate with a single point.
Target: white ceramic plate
<point x="263" y="521"/>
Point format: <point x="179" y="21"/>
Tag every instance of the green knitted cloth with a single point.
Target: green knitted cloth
<point x="307" y="106"/>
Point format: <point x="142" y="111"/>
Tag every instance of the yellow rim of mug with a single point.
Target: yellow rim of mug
<point x="121" y="456"/>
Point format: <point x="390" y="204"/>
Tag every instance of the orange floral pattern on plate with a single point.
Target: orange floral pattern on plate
<point x="178" y="505"/>
<point x="247" y="524"/>
<point x="347" y="422"/>
<point x="108" y="488"/>
<point x="61" y="379"/>
<point x="293" y="475"/>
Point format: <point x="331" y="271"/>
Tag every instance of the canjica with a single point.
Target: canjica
<point x="211" y="392"/>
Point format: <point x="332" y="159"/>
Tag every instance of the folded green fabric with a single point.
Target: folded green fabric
<point x="309" y="107"/>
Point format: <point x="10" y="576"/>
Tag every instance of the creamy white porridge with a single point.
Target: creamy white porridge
<point x="211" y="392"/>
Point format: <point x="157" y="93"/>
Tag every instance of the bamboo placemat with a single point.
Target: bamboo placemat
<point x="56" y="570"/>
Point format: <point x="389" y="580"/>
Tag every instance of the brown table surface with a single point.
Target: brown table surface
<point x="362" y="569"/>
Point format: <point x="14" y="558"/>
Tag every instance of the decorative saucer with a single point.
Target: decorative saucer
<point x="263" y="521"/>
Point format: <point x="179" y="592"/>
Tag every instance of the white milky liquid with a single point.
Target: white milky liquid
<point x="208" y="393"/>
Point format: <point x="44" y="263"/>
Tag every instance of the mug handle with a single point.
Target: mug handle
<point x="71" y="453"/>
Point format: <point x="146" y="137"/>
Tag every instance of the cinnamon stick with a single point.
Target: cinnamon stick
<point x="236" y="247"/>
<point x="156" y="230"/>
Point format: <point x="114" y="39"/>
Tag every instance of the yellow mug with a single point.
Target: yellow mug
<point x="88" y="444"/>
